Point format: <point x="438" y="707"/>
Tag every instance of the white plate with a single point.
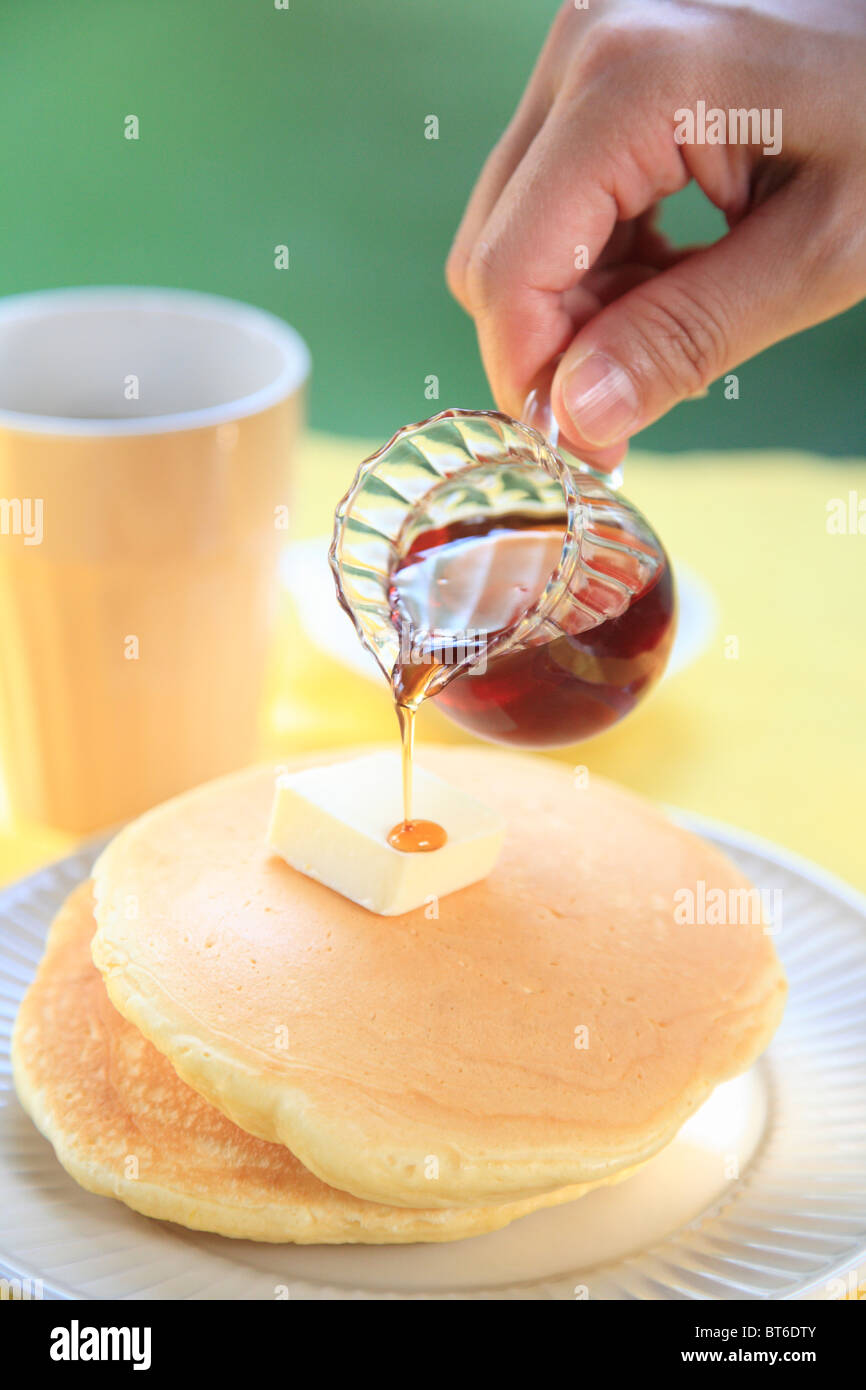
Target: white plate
<point x="308" y="578"/>
<point x="792" y="1222"/>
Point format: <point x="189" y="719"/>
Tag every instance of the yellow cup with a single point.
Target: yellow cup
<point x="145" y="442"/>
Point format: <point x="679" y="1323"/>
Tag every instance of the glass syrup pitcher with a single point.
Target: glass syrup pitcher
<point x="511" y="583"/>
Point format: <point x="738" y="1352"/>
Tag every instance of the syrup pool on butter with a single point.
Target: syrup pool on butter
<point x="332" y="824"/>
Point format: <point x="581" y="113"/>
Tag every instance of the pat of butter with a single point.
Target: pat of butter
<point x="332" y="823"/>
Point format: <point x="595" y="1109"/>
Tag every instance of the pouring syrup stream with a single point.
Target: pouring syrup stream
<point x="408" y="835"/>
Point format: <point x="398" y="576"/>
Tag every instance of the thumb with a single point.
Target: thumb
<point x="671" y="336"/>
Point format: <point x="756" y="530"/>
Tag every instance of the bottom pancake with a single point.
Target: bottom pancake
<point x="124" y="1125"/>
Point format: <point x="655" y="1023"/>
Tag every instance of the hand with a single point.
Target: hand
<point x="589" y="154"/>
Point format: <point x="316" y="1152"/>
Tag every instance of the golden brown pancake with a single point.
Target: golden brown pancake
<point x="124" y="1125"/>
<point x="553" y="1025"/>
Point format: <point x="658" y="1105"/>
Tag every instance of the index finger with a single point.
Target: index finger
<point x="552" y="221"/>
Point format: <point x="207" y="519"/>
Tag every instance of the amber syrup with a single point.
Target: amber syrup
<point x="483" y="573"/>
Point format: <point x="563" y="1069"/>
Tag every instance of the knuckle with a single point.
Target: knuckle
<point x="617" y="42"/>
<point x="833" y="247"/>
<point x="481" y="275"/>
<point x="685" y="336"/>
<point x="455" y="274"/>
<point x="563" y="20"/>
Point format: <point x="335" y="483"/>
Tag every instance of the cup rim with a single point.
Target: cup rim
<point x="294" y="350"/>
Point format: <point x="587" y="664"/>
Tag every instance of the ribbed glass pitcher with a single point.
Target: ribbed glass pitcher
<point x="516" y="586"/>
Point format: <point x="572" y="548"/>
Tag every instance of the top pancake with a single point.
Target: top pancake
<point x="384" y="1050"/>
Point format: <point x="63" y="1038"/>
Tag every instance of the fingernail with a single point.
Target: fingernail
<point x="600" y="398"/>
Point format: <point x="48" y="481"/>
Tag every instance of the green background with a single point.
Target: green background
<point x="305" y="127"/>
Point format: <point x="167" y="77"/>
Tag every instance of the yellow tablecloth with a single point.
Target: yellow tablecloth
<point x="766" y="731"/>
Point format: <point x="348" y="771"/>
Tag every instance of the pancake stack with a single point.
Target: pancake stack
<point x="217" y="1040"/>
